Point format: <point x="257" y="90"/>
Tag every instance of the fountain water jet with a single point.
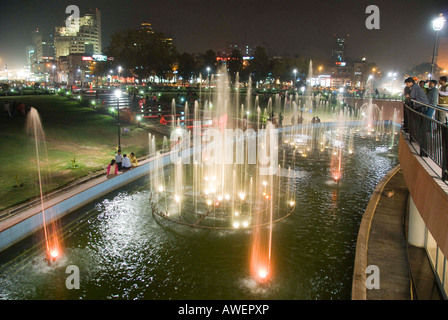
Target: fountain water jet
<point x="34" y="128"/>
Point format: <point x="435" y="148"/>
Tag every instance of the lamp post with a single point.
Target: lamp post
<point x="119" y="72"/>
<point x="54" y="74"/>
<point x="118" y="95"/>
<point x="209" y="86"/>
<point x="208" y="76"/>
<point x="295" y="78"/>
<point x="437" y="25"/>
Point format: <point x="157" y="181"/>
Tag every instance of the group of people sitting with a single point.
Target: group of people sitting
<point x="121" y="163"/>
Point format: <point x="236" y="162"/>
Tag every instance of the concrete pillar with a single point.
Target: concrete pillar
<point x="416" y="228"/>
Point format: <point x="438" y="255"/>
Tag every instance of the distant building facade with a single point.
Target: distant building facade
<point x="84" y="38"/>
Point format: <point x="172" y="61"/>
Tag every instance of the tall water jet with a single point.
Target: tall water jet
<point x="249" y="95"/>
<point x="35" y="130"/>
<point x="173" y="112"/>
<point x="309" y="87"/>
<point x="369" y="112"/>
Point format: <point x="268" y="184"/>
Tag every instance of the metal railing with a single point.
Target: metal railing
<point x="431" y="135"/>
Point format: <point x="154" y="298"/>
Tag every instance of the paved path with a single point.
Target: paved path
<point x="387" y="247"/>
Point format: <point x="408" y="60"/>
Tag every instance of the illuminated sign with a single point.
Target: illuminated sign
<point x="99" y="57"/>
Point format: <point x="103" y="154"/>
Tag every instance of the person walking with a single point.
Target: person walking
<point x="7" y="107"/>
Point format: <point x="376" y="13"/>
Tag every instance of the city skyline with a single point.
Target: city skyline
<point x="290" y="29"/>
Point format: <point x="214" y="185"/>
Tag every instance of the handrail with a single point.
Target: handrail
<point x="431" y="135"/>
<point x="430" y="105"/>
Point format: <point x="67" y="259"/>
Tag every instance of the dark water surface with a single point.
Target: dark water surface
<point x="124" y="252"/>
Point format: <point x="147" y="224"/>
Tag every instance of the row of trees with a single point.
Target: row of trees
<point x="143" y="54"/>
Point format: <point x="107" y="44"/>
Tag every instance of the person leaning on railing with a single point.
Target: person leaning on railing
<point x="416" y="93"/>
<point x="443" y="99"/>
<point x="433" y="97"/>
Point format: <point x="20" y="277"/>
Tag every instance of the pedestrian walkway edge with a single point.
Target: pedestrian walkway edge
<point x="359" y="272"/>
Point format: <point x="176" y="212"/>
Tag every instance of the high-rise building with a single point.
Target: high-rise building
<point x="48" y="47"/>
<point x="338" y="53"/>
<point x="30" y="54"/>
<point x="42" y="48"/>
<point x="84" y="38"/>
<point x="37" y="43"/>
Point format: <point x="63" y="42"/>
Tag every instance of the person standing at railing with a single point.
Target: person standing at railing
<point x="443" y="99"/>
<point x="422" y="84"/>
<point x="433" y="97"/>
<point x="417" y="94"/>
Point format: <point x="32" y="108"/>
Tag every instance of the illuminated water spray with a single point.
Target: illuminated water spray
<point x="34" y="128"/>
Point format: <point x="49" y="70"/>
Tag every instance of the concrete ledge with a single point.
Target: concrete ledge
<point x="428" y="191"/>
<point x="30" y="220"/>
<point x="359" y="272"/>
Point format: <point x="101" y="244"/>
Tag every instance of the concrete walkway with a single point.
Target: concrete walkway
<point x="387" y="246"/>
<point x="405" y="271"/>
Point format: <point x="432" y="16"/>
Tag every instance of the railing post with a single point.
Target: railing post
<point x="405" y="118"/>
<point x="444" y="152"/>
<point x="422" y="131"/>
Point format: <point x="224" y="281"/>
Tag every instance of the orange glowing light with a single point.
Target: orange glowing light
<point x="54" y="253"/>
<point x="262" y="274"/>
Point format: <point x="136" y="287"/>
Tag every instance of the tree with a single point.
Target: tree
<point x="141" y="52"/>
<point x="187" y="65"/>
<point x="235" y="63"/>
<point x="260" y="67"/>
<point x="423" y="70"/>
<point x="283" y="69"/>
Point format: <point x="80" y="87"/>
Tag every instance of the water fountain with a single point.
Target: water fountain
<point x="225" y="188"/>
<point x="370" y="112"/>
<point x="221" y="237"/>
<point x="50" y="229"/>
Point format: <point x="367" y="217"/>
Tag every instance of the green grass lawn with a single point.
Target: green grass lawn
<point x="79" y="141"/>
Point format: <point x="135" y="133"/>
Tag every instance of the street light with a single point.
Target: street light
<point x="54" y="73"/>
<point x="208" y="75"/>
<point x="437" y="25"/>
<point x="295" y="78"/>
<point x="119" y="71"/>
<point x="118" y="95"/>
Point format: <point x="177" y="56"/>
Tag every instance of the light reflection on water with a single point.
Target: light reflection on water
<point x="123" y="252"/>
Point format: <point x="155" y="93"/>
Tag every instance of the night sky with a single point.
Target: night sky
<point x="286" y="27"/>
